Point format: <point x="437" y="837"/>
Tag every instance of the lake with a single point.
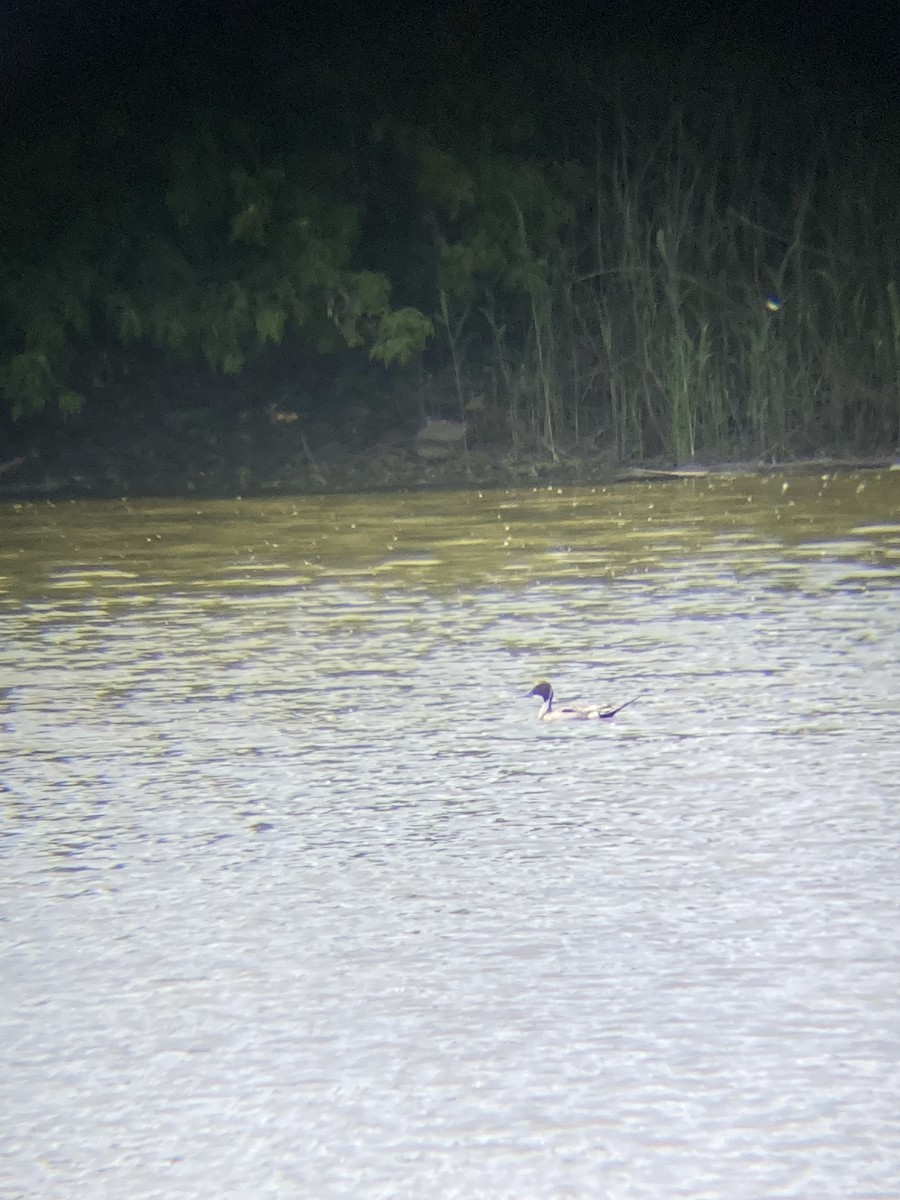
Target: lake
<point x="300" y="899"/>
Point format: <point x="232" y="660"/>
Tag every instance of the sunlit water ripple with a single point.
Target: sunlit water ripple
<point x="299" y="898"/>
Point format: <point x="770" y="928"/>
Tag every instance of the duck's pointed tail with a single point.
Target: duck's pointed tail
<point x="608" y="716"/>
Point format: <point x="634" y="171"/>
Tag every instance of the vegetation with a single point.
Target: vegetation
<point x="209" y="250"/>
<point x="595" y="271"/>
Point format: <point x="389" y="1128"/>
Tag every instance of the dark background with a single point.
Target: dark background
<point x="57" y="53"/>
<point x="154" y="67"/>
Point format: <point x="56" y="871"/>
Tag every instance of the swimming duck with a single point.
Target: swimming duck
<point x="570" y="713"/>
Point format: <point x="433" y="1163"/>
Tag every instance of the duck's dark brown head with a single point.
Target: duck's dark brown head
<point x="542" y="689"/>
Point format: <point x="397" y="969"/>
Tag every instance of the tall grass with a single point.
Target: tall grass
<point x="708" y="293"/>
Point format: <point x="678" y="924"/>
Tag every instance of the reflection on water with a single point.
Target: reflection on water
<point x="300" y="899"/>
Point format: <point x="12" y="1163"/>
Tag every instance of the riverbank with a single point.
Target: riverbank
<point x="189" y="454"/>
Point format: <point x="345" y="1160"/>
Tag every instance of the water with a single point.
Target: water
<point x="299" y="899"/>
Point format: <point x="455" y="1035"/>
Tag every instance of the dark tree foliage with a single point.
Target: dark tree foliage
<point x="619" y="253"/>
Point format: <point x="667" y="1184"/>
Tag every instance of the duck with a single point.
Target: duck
<point x="571" y="712"/>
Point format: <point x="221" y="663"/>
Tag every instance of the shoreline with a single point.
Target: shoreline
<point x="214" y="463"/>
<point x="539" y="475"/>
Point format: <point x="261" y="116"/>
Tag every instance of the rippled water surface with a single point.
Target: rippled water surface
<point x="300" y="899"/>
